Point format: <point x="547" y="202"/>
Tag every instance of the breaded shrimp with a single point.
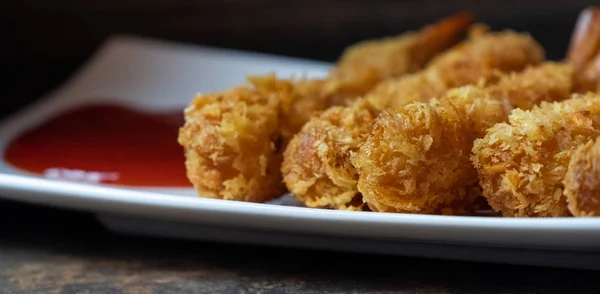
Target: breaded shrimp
<point x="229" y="144"/>
<point x="418" y="160"/>
<point x="317" y="164"/>
<point x="522" y="163"/>
<point x="234" y="140"/>
<point x="365" y="64"/>
<point x="304" y="168"/>
<point x="484" y="57"/>
<point x="582" y="181"/>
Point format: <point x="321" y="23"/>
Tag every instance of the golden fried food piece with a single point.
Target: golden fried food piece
<point x="317" y="162"/>
<point x="365" y="64"/>
<point x="582" y="181"/>
<point x="484" y="57"/>
<point x="418" y="159"/>
<point x="522" y="163"/>
<point x="233" y="140"/>
<point x="584" y="50"/>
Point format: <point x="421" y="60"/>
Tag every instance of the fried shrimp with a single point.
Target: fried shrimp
<point x="234" y="140"/>
<point x="582" y="181"/>
<point x="317" y="162"/>
<point x="484" y="57"/>
<point x="522" y="163"/>
<point x="229" y="141"/>
<point x="414" y="160"/>
<point x="308" y="172"/>
<point x="365" y="64"/>
<point x="418" y="160"/>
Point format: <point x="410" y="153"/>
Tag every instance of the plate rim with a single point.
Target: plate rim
<point x="115" y="195"/>
<point x="200" y="210"/>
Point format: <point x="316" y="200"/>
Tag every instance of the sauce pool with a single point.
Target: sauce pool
<point x="104" y="144"/>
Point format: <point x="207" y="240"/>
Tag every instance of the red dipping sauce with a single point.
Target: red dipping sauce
<point x="104" y="144"/>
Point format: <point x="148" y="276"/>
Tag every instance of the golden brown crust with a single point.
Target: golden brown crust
<point x="483" y="58"/>
<point x="417" y="160"/>
<point x="233" y="140"/>
<point x="317" y="167"/>
<point x="298" y="100"/>
<point x="230" y="156"/>
<point x="582" y="181"/>
<point x="522" y="163"/>
<point x="549" y="82"/>
<point x="453" y="131"/>
<point x="303" y="182"/>
<point x="365" y="64"/>
<point x="229" y="145"/>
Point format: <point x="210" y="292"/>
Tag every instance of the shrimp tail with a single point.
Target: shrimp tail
<point x="584" y="50"/>
<point x="439" y="36"/>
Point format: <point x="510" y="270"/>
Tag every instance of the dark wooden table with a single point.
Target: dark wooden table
<point x="45" y="250"/>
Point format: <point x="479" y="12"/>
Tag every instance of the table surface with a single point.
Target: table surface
<point x="46" y="250"/>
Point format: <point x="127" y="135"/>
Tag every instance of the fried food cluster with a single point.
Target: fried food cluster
<point x="417" y="160"/>
<point x="522" y="163"/>
<point x="425" y="122"/>
<point x="484" y="57"/>
<point x="233" y="140"/>
<point x="329" y="179"/>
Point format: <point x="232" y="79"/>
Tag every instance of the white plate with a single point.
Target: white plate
<point x="151" y="75"/>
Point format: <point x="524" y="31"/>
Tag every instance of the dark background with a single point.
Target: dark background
<point x="47" y="40"/>
<point x="45" y="250"/>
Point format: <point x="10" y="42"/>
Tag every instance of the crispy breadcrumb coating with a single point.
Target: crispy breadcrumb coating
<point x="304" y="172"/>
<point x="582" y="181"/>
<point x="317" y="162"/>
<point x="365" y="64"/>
<point x="418" y="160"/>
<point x="482" y="58"/>
<point x="298" y="101"/>
<point x="233" y="140"/>
<point x="522" y="163"/>
<point x="550" y="81"/>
